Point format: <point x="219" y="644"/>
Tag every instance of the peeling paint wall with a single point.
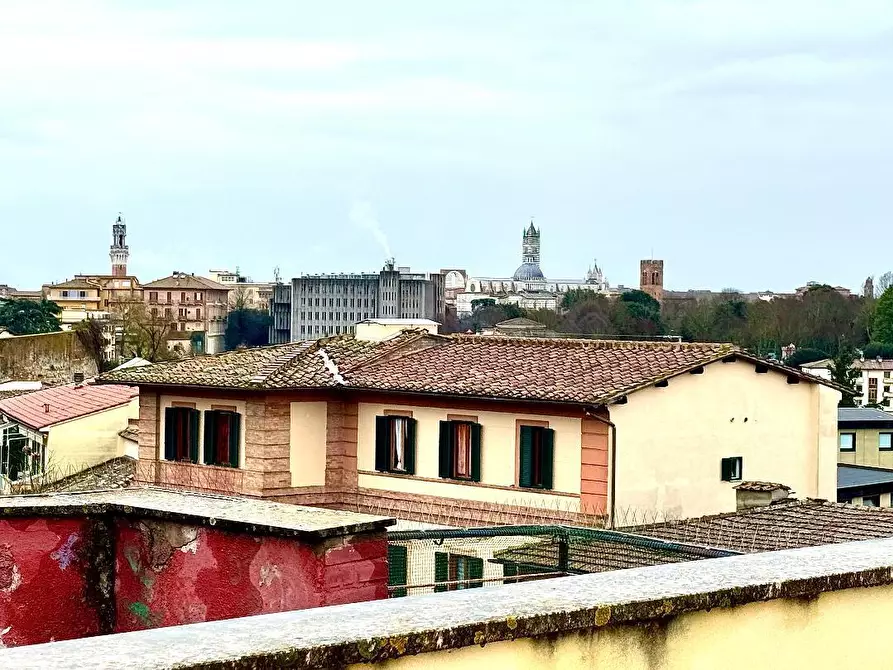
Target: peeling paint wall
<point x="71" y="578"/>
<point x="43" y="590"/>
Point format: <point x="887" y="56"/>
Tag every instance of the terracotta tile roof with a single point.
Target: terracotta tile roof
<point x="116" y="473"/>
<point x="64" y="403"/>
<point x="783" y="525"/>
<point x="186" y="282"/>
<point x="74" y="283"/>
<point x="559" y="370"/>
<point x="761" y="486"/>
<point x="131" y="433"/>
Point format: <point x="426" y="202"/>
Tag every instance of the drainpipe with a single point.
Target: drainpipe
<point x="612" y="458"/>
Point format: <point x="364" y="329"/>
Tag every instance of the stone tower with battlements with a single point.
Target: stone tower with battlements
<point x="651" y="278"/>
<point x="119" y="251"/>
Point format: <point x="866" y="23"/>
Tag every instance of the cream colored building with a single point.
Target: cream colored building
<point x="58" y="431"/>
<point x="874" y="387"/>
<point x="78" y="299"/>
<point x="196" y="308"/>
<point x="474" y="427"/>
<point x="243" y="291"/>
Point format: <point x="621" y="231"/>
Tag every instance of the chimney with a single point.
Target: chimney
<point x="46" y="408"/>
<point x="750" y="495"/>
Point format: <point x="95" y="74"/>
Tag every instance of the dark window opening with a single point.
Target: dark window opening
<point x="732" y="469"/>
<point x="395" y="444"/>
<point x="181" y="434"/>
<point x="460" y="450"/>
<point x="222" y="433"/>
<point x="537" y="445"/>
<point x="871" y="501"/>
<point x="761" y="369"/>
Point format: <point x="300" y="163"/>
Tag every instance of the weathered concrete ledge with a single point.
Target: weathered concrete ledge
<point x="336" y="636"/>
<point x="201" y="509"/>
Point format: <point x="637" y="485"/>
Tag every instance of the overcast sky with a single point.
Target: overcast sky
<point x="748" y="143"/>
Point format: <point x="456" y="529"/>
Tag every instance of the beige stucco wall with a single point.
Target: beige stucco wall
<point x="307" y="443"/>
<point x="670" y="441"/>
<point x="88" y="440"/>
<point x="867" y="452"/>
<point x="826" y="632"/>
<point x="201" y="404"/>
<point x="498" y="457"/>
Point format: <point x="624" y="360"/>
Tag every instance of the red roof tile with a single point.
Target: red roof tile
<point x="65" y="403"/>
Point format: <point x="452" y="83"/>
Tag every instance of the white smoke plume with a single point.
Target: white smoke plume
<point x="363" y="216"/>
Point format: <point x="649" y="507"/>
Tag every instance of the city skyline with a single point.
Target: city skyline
<point x="738" y="141"/>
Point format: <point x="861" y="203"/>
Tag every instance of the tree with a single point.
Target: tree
<point x="247" y="327"/>
<point x="589" y="317"/>
<point x="92" y="336"/>
<point x="883" y="350"/>
<point x="883" y="282"/>
<point x="145" y="333"/>
<point x="29" y="317"/>
<point x="575" y="296"/>
<point x="883" y="317"/>
<point x="843" y="372"/>
<point x="637" y="313"/>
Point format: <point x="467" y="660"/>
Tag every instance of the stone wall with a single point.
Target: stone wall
<point x="52" y="358"/>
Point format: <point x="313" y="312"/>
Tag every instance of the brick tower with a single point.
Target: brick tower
<point x="119" y="251"/>
<point x="651" y="278"/>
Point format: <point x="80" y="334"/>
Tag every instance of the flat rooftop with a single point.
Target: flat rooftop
<point x="258" y="517"/>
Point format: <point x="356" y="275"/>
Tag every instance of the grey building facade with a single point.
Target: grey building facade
<point x="317" y="306"/>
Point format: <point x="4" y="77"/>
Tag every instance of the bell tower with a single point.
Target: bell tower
<point x="530" y="245"/>
<point x="119" y="251"/>
<point x="652" y="278"/>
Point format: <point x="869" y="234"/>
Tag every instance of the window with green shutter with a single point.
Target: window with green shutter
<point x="222" y="438"/>
<point x="460" y="450"/>
<point x="454" y="572"/>
<point x="397" y="570"/>
<point x="395" y="444"/>
<point x="181" y="434"/>
<point x="536" y="457"/>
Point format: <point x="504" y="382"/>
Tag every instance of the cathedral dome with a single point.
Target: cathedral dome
<point x="528" y="272"/>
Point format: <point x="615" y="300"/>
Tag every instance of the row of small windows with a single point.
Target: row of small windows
<point x="335" y="316"/>
<point x="339" y="288"/>
<point x="195" y="296"/>
<point x="459" y="450"/>
<point x="326" y="330"/>
<point x="336" y="302"/>
<point x="215" y="443"/>
<point x="848" y="442"/>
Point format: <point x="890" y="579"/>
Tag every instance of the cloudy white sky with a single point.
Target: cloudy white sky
<point x="746" y="142"/>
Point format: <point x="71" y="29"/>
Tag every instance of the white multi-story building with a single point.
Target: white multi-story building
<point x="874" y="386"/>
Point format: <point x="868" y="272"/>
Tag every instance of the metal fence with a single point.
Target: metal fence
<point x="431" y="561"/>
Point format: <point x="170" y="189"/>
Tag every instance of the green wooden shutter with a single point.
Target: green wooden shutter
<point x="526" y="457"/>
<point x="446" y="449"/>
<point x="170" y="450"/>
<point x="397" y="569"/>
<point x="193" y="435"/>
<point x="476" y="452"/>
<point x="475" y="571"/>
<point x="382" y="443"/>
<point x="726" y="469"/>
<point x="409" y="455"/>
<point x="548" y="457"/>
<point x="509" y="570"/>
<point x="441" y="570"/>
<point x="210" y="431"/>
<point x="235" y="429"/>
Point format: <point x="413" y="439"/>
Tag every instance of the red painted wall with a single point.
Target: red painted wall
<point x="171" y="573"/>
<point x="166" y="573"/>
<point x="43" y="564"/>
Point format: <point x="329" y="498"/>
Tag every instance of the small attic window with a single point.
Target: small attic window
<point x="761" y="369"/>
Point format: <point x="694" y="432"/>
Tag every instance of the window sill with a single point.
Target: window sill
<point x="461" y="482"/>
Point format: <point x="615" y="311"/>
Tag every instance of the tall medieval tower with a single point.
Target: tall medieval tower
<point x="652" y="278"/>
<point x="530" y="246"/>
<point x="119" y="252"/>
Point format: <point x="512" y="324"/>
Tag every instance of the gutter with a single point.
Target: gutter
<point x="612" y="459"/>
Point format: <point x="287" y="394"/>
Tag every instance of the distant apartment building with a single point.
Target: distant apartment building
<point x="243" y="291"/>
<point x="78" y="300"/>
<point x="195" y="306"/>
<point x="874" y="387"/>
<point x="317" y="306"/>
